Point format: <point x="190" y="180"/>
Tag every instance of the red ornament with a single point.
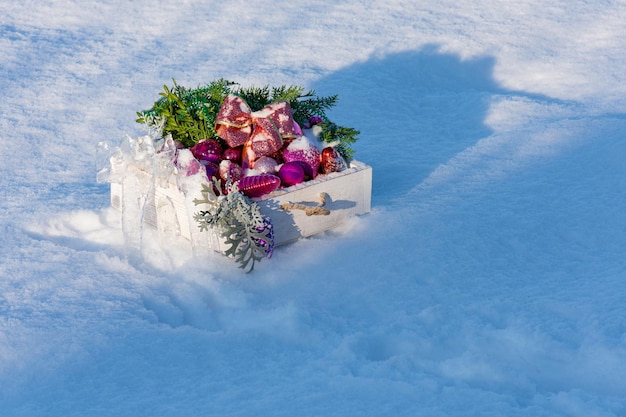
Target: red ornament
<point x="281" y="115"/>
<point x="332" y="161"/>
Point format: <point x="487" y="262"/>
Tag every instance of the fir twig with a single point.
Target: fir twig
<point x="187" y="114"/>
<point x="346" y="136"/>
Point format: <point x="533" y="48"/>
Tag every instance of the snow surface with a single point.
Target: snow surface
<point x="489" y="279"/>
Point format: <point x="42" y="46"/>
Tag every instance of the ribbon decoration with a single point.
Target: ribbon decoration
<point x="233" y="122"/>
<point x="261" y="132"/>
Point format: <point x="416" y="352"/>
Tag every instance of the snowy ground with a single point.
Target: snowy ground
<point x="489" y="278"/>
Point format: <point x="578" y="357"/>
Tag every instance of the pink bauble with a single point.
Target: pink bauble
<point x="265" y="165"/>
<point x="302" y="150"/>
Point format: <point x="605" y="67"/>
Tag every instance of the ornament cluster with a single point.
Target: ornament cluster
<point x="264" y="150"/>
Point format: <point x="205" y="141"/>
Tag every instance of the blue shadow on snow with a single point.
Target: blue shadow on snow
<point x="415" y="110"/>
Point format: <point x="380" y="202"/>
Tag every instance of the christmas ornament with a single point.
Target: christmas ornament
<point x="258" y="185"/>
<point x="308" y="171"/>
<point x="332" y="161"/>
<point x="291" y="173"/>
<point x="233" y="154"/>
<point x="265" y="165"/>
<point x="281" y="115"/>
<point x="207" y="150"/>
<point x="301" y="149"/>
<point x="212" y="170"/>
<point x="263" y="237"/>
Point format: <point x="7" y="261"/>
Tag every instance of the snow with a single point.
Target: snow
<point x="488" y="279"/>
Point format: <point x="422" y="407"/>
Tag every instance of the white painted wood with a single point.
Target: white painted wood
<point x="166" y="207"/>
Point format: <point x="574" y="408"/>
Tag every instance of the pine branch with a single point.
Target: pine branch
<point x="346" y="136"/>
<point x="310" y="106"/>
<point x="187" y="114"/>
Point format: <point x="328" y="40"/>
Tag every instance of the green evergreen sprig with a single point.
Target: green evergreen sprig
<point x="259" y="97"/>
<point x="346" y="136"/>
<point x="189" y="114"/>
<point x="303" y="105"/>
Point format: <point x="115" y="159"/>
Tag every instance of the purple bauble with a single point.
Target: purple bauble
<point x="233" y="154"/>
<point x="291" y="173"/>
<point x="212" y="170"/>
<point x="308" y="171"/>
<point x="207" y="150"/>
<point x="297" y="129"/>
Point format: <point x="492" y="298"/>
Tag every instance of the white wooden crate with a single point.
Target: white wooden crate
<point x="163" y="205"/>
